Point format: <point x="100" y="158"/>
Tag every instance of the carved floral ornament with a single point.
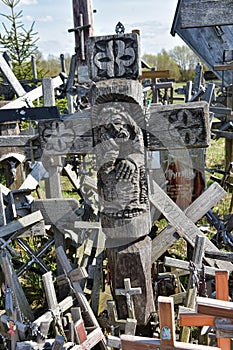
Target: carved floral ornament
<point x="58" y="136"/>
<point x="114" y="56"/>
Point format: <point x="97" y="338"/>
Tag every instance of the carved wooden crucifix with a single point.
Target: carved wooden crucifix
<point x="120" y="132"/>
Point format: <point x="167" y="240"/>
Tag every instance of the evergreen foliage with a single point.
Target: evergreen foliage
<point x="19" y="42"/>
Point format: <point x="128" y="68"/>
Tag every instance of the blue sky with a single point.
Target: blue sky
<point x="53" y="18"/>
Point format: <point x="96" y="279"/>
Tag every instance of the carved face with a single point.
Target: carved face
<point x="114" y="124"/>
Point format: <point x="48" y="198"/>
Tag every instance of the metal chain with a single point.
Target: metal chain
<point x="194" y="279"/>
<point x="202" y="290"/>
<point x="58" y="323"/>
<point x="32" y="326"/>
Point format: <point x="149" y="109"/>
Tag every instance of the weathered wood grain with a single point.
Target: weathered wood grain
<point x="178" y="126"/>
<point x="58" y="211"/>
<point x="181" y="264"/>
<point x="206" y="13"/>
<point x="225" y="256"/>
<point x="22" y="224"/>
<point x="194" y="212"/>
<point x="208" y="43"/>
<point x="122" y="262"/>
<point x="16" y="140"/>
<point x="213" y="307"/>
<point x="184" y="226"/>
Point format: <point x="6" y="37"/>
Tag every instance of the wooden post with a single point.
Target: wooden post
<point x="48" y="92"/>
<point x="198" y="255"/>
<point x="83" y="27"/>
<point x="228" y="142"/>
<point x="125" y="215"/>
<point x="222" y="293"/>
<point x="11" y="280"/>
<point x="53" y="164"/>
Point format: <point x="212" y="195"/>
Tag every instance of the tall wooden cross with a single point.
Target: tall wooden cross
<point x="119" y="131"/>
<point x="121" y="135"/>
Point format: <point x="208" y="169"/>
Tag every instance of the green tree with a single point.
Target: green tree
<point x="163" y="61"/>
<point x="186" y="60"/>
<point x="18" y="41"/>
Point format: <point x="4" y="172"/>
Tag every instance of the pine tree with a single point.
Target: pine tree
<point x="19" y="42"/>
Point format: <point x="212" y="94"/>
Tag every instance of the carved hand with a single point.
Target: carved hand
<point x="125" y="170"/>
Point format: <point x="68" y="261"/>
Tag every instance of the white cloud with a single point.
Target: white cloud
<point x="28" y="18"/>
<point x="45" y="19"/>
<point x="29" y="2"/>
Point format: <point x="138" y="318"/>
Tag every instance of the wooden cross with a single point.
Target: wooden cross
<point x="184" y="226"/>
<point x="200" y="319"/>
<point x="31" y="95"/>
<point x="194" y="212"/>
<point x="52" y="304"/>
<point x="167" y="338"/>
<point x="118" y="77"/>
<point x="96" y="336"/>
<point x="35" y="256"/>
<point x="128" y="291"/>
<point x="21" y="225"/>
<point x="42" y="323"/>
<point x="127" y="326"/>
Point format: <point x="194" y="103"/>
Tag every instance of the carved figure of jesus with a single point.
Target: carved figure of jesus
<point x="121" y="163"/>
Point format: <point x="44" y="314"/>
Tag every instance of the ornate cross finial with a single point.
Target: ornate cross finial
<point x="120" y="29"/>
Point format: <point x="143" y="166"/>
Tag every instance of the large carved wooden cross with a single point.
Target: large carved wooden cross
<point x="120" y="132"/>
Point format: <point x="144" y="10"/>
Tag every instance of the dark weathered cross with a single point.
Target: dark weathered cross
<point x="128" y="291"/>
